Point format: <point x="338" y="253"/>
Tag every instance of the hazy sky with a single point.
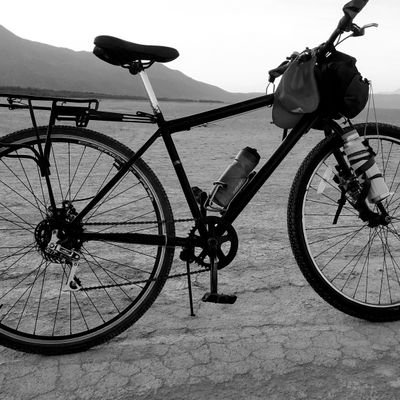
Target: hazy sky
<point x="228" y="43"/>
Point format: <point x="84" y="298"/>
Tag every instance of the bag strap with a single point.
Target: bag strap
<point x="278" y="71"/>
<point x="282" y="67"/>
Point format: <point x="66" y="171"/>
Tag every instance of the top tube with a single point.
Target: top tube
<point x="185" y="123"/>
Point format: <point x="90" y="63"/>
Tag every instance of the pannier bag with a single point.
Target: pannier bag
<point x="343" y="91"/>
<point x="297" y="92"/>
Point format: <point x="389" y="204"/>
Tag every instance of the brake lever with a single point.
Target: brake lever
<point x="360" y="31"/>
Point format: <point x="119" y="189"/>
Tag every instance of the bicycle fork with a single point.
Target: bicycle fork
<point x="356" y="193"/>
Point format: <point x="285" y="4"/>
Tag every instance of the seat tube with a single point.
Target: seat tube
<point x="151" y="95"/>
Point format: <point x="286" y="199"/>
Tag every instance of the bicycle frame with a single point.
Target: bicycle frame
<point x="166" y="129"/>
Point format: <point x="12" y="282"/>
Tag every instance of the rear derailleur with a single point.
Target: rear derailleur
<point x="67" y="256"/>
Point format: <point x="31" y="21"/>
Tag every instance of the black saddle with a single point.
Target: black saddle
<point x="120" y="52"/>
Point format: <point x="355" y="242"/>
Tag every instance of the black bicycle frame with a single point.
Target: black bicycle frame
<point x="166" y="129"/>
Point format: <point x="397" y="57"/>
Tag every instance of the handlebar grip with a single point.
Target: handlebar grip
<point x="350" y="9"/>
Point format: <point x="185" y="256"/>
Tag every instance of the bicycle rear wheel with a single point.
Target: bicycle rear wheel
<point x="37" y="314"/>
<point x="353" y="266"/>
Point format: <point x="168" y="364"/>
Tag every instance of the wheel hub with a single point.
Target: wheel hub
<point x="68" y="234"/>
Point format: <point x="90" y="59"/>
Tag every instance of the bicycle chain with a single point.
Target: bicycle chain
<point x="138" y="222"/>
<point x="86" y="289"/>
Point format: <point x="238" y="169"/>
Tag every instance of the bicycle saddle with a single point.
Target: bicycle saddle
<point x="120" y="52"/>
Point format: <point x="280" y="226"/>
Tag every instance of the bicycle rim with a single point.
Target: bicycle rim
<point x="359" y="263"/>
<point x="37" y="313"/>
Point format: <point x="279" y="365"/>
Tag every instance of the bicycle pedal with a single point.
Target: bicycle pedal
<point x="219" y="298"/>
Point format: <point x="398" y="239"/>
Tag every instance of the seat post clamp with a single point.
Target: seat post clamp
<point x="135" y="67"/>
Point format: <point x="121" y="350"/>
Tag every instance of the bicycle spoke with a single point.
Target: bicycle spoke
<point x="121" y="206"/>
<point x="356" y="257"/>
<point x="335" y="205"/>
<point x="109" y="198"/>
<point x="365" y="265"/>
<point x="40" y="299"/>
<point x="38" y="310"/>
<point x="133" y="219"/>
<point x="17" y="223"/>
<point x="117" y="264"/>
<point x="28" y="187"/>
<point x="93" y="304"/>
<point x="385" y="267"/>
<point x="350" y="237"/>
<point x="129" y="249"/>
<point x="59" y="300"/>
<point x="339" y="235"/>
<point x="105" y="198"/>
<point x="358" y="260"/>
<point x="87" y="175"/>
<point x="98" y="190"/>
<point x="109" y="273"/>
<point x="40" y="206"/>
<point x="38" y="273"/>
<point x="22" y="255"/>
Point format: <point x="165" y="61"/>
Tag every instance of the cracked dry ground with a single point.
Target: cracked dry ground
<point x="278" y="341"/>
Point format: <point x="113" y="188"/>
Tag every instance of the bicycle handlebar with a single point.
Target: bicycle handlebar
<point x="350" y="9"/>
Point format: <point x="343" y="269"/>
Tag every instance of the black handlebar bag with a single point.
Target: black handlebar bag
<point x="343" y="91"/>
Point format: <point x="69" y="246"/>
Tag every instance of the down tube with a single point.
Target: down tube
<point x="244" y="197"/>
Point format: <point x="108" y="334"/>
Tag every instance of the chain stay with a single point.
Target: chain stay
<point x="138" y="222"/>
<point x="86" y="289"/>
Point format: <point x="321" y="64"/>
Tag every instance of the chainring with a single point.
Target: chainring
<point x="227" y="244"/>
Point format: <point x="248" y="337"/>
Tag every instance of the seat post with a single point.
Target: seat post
<point x="151" y="95"/>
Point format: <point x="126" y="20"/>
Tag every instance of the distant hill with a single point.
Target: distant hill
<point x="28" y="64"/>
<point x="24" y="63"/>
<point x="387" y="100"/>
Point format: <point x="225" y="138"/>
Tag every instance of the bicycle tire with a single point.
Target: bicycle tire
<point x="36" y="313"/>
<point x="350" y="265"/>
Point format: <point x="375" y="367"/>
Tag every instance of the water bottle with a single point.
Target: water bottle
<point x="363" y="162"/>
<point x="235" y="176"/>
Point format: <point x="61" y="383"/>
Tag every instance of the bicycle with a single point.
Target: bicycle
<point x="88" y="233"/>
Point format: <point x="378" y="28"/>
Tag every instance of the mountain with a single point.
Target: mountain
<point x="25" y="63"/>
<point x="28" y="64"/>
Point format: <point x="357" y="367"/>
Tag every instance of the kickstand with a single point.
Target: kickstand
<point x="192" y="314"/>
<point x="341" y="202"/>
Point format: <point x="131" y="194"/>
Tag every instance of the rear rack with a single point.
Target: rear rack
<point x="81" y="111"/>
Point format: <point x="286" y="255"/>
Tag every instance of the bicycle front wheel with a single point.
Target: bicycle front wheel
<point x="353" y="266"/>
<point x="120" y="281"/>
